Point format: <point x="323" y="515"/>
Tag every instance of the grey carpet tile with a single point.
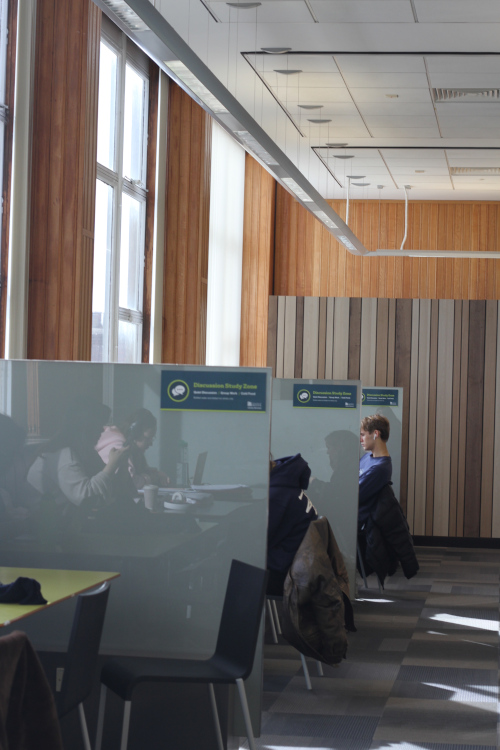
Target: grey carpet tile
<point x="417" y="720"/>
<point x="453" y="676"/>
<point x="281" y="742"/>
<point x="364" y="671"/>
<point x="427" y="746"/>
<point x="305" y="725"/>
<point x="335" y="697"/>
<point x="450" y="653"/>
<point x="394" y="644"/>
<point x="441" y="691"/>
<point x="478" y="590"/>
<point x="464" y="601"/>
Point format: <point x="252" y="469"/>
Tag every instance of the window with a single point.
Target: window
<point x="117" y="312"/>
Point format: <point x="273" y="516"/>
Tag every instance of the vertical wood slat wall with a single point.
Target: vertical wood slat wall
<point x="310" y="262"/>
<point x="446" y="356"/>
<point x="186" y="230"/>
<point x="63" y="179"/>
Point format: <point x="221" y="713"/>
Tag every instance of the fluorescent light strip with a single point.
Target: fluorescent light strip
<point x="255" y="146"/>
<point x="325" y="219"/>
<point x="197" y="87"/>
<point x="347" y="243"/>
<point x="474" y="254"/>
<point x="295" y="188"/>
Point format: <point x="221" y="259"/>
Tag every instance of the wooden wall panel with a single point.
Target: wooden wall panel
<point x="367" y="352"/>
<point x="446" y="357"/>
<point x="257" y="269"/>
<point x="310" y="262"/>
<point x="186" y="229"/>
<point x="63" y="180"/>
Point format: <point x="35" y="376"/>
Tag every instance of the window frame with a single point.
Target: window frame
<point x="128" y="55"/>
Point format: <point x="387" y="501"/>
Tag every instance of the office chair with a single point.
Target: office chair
<point x="231" y="662"/>
<point x="83" y="650"/>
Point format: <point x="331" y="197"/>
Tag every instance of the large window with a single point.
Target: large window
<point x="120" y="200"/>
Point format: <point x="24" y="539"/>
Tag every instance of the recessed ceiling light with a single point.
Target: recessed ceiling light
<point x="343" y="156"/>
<point x="380" y="187"/>
<point x="244" y="6"/>
<point x="337" y="145"/>
<point x="420" y="171"/>
<point x="310" y="106"/>
<point x="318" y="121"/>
<point x="289" y="72"/>
<point x="392" y="96"/>
<point x="276" y="50"/>
<point x="360" y="184"/>
<point x="355" y="176"/>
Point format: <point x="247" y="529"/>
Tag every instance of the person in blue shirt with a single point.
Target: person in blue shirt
<point x="375" y="467"/>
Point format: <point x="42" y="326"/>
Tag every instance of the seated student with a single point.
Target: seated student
<point x="138" y="431"/>
<point x="375" y="467"/>
<point x="68" y="470"/>
<point x="290" y="513"/>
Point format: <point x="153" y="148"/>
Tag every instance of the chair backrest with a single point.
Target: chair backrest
<point x="241" y="618"/>
<point x="83" y="649"/>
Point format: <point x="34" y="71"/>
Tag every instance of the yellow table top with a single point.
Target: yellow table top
<point x="57" y="585"/>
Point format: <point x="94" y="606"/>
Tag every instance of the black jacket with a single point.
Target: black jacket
<point x="316" y="605"/>
<point x="385" y="539"/>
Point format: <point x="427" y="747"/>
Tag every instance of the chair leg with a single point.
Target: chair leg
<point x="246" y="713"/>
<point x="126" y="724"/>
<point x="271" y="620"/>
<point x="276" y="616"/>
<point x="100" y="717"/>
<point x="306" y="672"/>
<point x="319" y="668"/>
<point x="83" y="724"/>
<point x="213" y="702"/>
<point x="361" y="565"/>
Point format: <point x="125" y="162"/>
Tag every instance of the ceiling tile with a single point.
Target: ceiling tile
<point x="303" y="81"/>
<point x="327" y="110"/>
<point x="312" y="95"/>
<point x="464" y="80"/>
<point x="361" y="11"/>
<point x="271" y="11"/>
<point x="367" y="94"/>
<point x="400" y="108"/>
<point x="395" y="132"/>
<point x="466" y="110"/>
<point x="472" y="153"/>
<point x="463" y="63"/>
<point x="457" y="11"/>
<point x="428" y="171"/>
<point x="387" y="81"/>
<point x="400" y="121"/>
<point x="381" y="63"/>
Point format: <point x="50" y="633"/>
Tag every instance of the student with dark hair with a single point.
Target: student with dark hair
<point x="68" y="469"/>
<point x="138" y="431"/>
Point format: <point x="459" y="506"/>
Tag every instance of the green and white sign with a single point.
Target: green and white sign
<point x="216" y="390"/>
<point x="379" y="397"/>
<point x="324" y="396"/>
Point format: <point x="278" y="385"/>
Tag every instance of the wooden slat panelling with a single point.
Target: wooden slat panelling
<point x="431" y="435"/>
<point x="257" y="265"/>
<point x="311" y="338"/>
<point x="474" y="434"/>
<point x="367" y="357"/>
<point x="444" y="418"/>
<point x="422" y="415"/>
<point x="310" y="262"/>
<point x="63" y="180"/>
<point x="341" y="328"/>
<point x="272" y="334"/>
<point x="495" y="522"/>
<point x="290" y="329"/>
<point x="382" y="342"/>
<point x="280" y="339"/>
<point x="186" y="228"/>
<point x="488" y="418"/>
<point x="354" y="339"/>
<point x="391" y="341"/>
<point x="299" y="337"/>
<point x="446" y="359"/>
<point x="455" y="418"/>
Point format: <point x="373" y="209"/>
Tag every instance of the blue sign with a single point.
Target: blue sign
<point x="213" y="390"/>
<point x="324" y="396"/>
<point x="379" y="397"/>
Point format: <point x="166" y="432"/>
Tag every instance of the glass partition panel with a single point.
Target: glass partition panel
<point x="389" y="403"/>
<point x="199" y="434"/>
<point x="320" y="419"/>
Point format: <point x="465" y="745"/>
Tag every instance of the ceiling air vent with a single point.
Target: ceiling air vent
<point x="467" y="96"/>
<point x="126" y="15"/>
<point x="475" y="171"/>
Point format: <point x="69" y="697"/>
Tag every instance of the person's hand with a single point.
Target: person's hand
<point x="117" y="456"/>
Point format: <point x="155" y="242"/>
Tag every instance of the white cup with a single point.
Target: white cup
<point x="150" y="496"/>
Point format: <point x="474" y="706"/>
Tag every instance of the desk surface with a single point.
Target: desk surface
<point x="57" y="585"/>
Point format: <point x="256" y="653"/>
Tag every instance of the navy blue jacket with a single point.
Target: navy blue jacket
<point x="290" y="511"/>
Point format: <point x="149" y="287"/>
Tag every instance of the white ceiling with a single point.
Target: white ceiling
<point x="369" y="68"/>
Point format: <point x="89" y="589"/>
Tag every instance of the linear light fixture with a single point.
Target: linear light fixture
<point x="474" y="254"/>
<point x="197" y="87"/>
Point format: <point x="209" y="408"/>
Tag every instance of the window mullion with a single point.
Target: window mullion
<point x="115" y="273"/>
